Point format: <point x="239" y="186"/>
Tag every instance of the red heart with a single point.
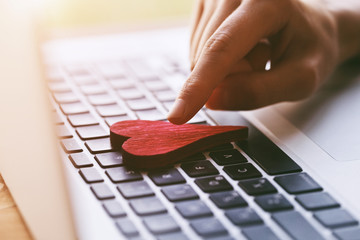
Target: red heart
<point x="152" y="144"/>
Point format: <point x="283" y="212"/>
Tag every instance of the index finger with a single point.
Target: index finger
<point x="252" y="21"/>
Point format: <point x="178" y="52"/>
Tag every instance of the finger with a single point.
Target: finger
<point x="257" y="19"/>
<point x="245" y="91"/>
<point x="207" y="12"/>
<point x="223" y="10"/>
<point x="197" y="13"/>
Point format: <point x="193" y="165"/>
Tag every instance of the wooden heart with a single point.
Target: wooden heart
<point x="153" y="144"/>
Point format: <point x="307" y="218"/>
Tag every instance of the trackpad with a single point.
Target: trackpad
<point x="331" y="118"/>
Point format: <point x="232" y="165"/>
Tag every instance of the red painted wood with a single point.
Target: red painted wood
<point x="153" y="144"/>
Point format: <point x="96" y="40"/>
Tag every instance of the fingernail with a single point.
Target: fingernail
<point x="177" y="110"/>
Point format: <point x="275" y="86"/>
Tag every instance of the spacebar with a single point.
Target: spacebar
<point x="296" y="225"/>
<point x="261" y="149"/>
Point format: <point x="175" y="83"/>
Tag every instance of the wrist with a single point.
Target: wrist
<point x="347" y="22"/>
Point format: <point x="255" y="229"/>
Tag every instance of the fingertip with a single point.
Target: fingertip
<point x="177" y="112"/>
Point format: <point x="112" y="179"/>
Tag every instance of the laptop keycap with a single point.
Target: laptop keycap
<point x="243" y="216"/>
<point x="213" y="184"/>
<point x="316" y="201"/>
<point x="228" y="199"/>
<point x="298" y="183"/>
<point x="179" y="192"/>
<point x="111" y="120"/>
<point x="193" y="209"/>
<point x="173" y="236"/>
<point x="140" y="104"/>
<point x="135" y="189"/>
<point x="350" y="233"/>
<point x="99" y="145"/>
<point x="92" y="132"/>
<point x="63" y="132"/>
<point x="208" y="227"/>
<point x="114" y="208"/>
<point x="130" y="93"/>
<point x="152" y="114"/>
<point x="195" y="157"/>
<point x="296" y="225"/>
<point x="101" y="99"/>
<point x="73" y="108"/>
<point x="199" y="168"/>
<point x="102" y="191"/>
<point x="70" y="145"/>
<point x="90" y="175"/>
<point x="334" y="218"/>
<point x="122" y="174"/>
<point x="92" y="89"/>
<point x="227" y="157"/>
<point x="258" y="186"/>
<point x="110" y="110"/>
<point x="273" y="202"/>
<point x="80" y="120"/>
<point x="161" y="224"/>
<point x="127" y="227"/>
<point x="242" y="171"/>
<point x="67" y="97"/>
<point x="80" y="160"/>
<point x="147" y="206"/>
<point x="166" y="177"/>
<point x="111" y="159"/>
<point x="223" y="147"/>
<point x="259" y="233"/>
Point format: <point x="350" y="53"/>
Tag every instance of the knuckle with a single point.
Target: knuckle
<point x="219" y="43"/>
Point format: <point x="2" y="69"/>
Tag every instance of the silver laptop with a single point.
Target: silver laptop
<point x="296" y="177"/>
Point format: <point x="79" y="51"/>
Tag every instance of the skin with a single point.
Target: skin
<point x="232" y="40"/>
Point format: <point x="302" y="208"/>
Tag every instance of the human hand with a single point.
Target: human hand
<point x="231" y="42"/>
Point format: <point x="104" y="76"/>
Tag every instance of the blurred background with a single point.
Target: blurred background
<point x="63" y="14"/>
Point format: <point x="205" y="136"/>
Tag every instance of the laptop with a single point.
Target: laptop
<point x="296" y="177"/>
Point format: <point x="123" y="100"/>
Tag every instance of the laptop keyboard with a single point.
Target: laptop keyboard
<point x="249" y="189"/>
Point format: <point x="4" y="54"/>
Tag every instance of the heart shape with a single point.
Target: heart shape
<point x="153" y="144"/>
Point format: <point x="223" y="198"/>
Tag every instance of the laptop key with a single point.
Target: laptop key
<point x="349" y="233"/>
<point x="135" y="189"/>
<point x="111" y="120"/>
<point x="195" y="157"/>
<point x="173" y="236"/>
<point x="73" y="108"/>
<point x="273" y="202"/>
<point x="99" y="145"/>
<point x="166" y="177"/>
<point x="102" y="191"/>
<point x="140" y="104"/>
<point x="316" y="201"/>
<point x="92" y="89"/>
<point x="227" y="157"/>
<point x="222" y="147"/>
<point x="147" y="206"/>
<point x="101" y="99"/>
<point x="130" y="93"/>
<point x="114" y="208"/>
<point x="66" y="97"/>
<point x="334" y="218"/>
<point x="70" y="145"/>
<point x="156" y="85"/>
<point x="122" y="174"/>
<point x="258" y="186"/>
<point x="121" y="83"/>
<point x="152" y="114"/>
<point x="259" y="233"/>
<point x="81" y="120"/>
<point x="193" y="209"/>
<point x="90" y="175"/>
<point x="296" y="225"/>
<point x="63" y="132"/>
<point x="199" y="168"/>
<point x="57" y="119"/>
<point x="298" y="183"/>
<point x="243" y="216"/>
<point x="213" y="184"/>
<point x="228" y="199"/>
<point x="208" y="227"/>
<point x="110" y="110"/>
<point x="92" y="132"/>
<point x="127" y="227"/>
<point x="242" y="171"/>
<point x="165" y="95"/>
<point x="59" y="87"/>
<point x="179" y="192"/>
<point x="80" y="160"/>
<point x="161" y="224"/>
<point x="111" y="159"/>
